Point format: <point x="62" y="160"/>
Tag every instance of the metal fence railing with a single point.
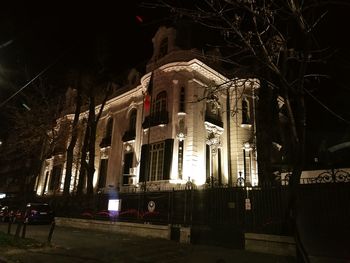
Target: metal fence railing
<point x="261" y="209"/>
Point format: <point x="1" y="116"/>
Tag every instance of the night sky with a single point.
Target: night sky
<point x="57" y="35"/>
<point x="35" y="34"/>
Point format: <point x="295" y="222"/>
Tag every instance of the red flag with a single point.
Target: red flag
<point x="147" y="102"/>
<point x="139" y="18"/>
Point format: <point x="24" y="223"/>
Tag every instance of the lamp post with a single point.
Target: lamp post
<point x="247" y="147"/>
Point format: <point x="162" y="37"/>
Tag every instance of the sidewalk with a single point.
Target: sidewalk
<point x="71" y="245"/>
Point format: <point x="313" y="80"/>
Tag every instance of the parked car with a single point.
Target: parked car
<point x="36" y="213"/>
<point x="6" y="213"/>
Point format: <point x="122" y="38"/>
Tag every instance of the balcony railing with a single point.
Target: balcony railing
<point x="58" y="150"/>
<point x="155" y="119"/>
<point x="129" y="135"/>
<point x="214" y="120"/>
<point x="106" y="142"/>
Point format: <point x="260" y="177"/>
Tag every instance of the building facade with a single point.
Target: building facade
<point x="183" y="121"/>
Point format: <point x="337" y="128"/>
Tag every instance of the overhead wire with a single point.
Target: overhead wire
<point x="327" y="108"/>
<point x="34" y="78"/>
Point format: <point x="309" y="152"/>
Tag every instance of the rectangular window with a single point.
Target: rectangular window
<point x="207" y="161"/>
<point x="103" y="173"/>
<point x="128" y="158"/>
<point x="219" y="167"/>
<point x="157" y="161"/>
<point x="55" y="178"/>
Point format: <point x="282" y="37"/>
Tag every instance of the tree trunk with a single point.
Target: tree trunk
<point x="83" y="163"/>
<point x="92" y="140"/>
<point x="265" y="125"/>
<point x="70" y="149"/>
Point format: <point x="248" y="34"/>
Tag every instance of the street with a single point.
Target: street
<point x="89" y="246"/>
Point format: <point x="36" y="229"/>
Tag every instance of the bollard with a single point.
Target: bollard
<point x="24" y="229"/>
<point x="9" y="226"/>
<point x="18" y="229"/>
<point x="51" y="231"/>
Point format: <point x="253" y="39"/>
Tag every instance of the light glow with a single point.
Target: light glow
<point x="114" y="204"/>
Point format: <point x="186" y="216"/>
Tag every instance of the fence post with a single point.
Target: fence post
<point x="24" y="229"/>
<point x="18" y="229"/>
<point x="9" y="226"/>
<point x="185" y="208"/>
<point x="51" y="231"/>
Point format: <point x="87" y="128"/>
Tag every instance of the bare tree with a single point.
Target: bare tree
<point x="276" y="42"/>
<point x="31" y="129"/>
<point x="272" y="41"/>
<point x="74" y="133"/>
<point x="98" y="90"/>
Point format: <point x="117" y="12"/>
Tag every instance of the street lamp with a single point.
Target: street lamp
<point x="247" y="147"/>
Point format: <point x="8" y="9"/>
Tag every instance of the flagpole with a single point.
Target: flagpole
<point x="142" y="116"/>
<point x="149" y="93"/>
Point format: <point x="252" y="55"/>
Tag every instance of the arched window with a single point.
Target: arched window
<point x="245" y="112"/>
<point x="132" y="120"/>
<point x="130" y="133"/>
<point x="109" y="128"/>
<point x="160" y="103"/>
<point x="213" y="113"/>
<point x="182" y="100"/>
<point x="159" y="114"/>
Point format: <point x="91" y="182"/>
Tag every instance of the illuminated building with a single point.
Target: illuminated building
<point x="197" y="125"/>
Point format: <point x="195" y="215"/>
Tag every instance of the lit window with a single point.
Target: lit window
<point x="157" y="161"/>
<point x="102" y="173"/>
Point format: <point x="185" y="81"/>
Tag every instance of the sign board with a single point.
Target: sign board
<point x="231" y="205"/>
<point x="114" y="204"/>
<point x="151" y="206"/>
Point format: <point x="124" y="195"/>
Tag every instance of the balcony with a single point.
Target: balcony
<point x="58" y="149"/>
<point x="214" y="120"/>
<point x="158" y="118"/>
<point x="106" y="142"/>
<point x="129" y="135"/>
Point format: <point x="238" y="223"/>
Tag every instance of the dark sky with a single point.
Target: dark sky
<point x="36" y="35"/>
<point x="42" y="30"/>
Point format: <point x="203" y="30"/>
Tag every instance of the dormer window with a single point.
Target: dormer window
<point x="163" y="48"/>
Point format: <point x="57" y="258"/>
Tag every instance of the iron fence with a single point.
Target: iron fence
<point x="259" y="209"/>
